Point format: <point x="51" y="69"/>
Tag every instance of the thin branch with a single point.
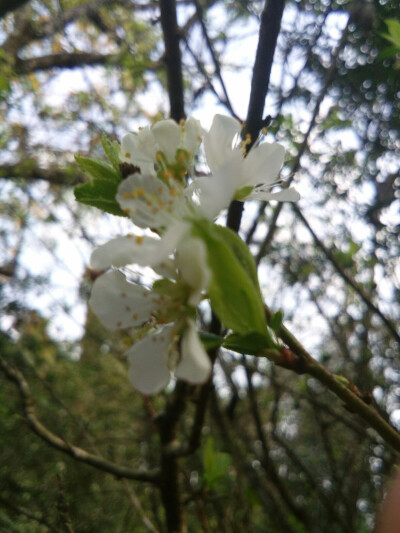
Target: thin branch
<point x="268" y="36"/>
<point x="7" y="6"/>
<point x="199" y="12"/>
<point x="65" y="60"/>
<point x="304" y="145"/>
<point x="14" y="375"/>
<point x="347" y="278"/>
<point x="301" y="361"/>
<point x="173" y="59"/>
<point x="33" y="173"/>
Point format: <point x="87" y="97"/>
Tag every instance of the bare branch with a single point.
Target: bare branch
<point x="33" y="172"/>
<point x="173" y="59"/>
<point x="301" y="361"/>
<point x="14" y="375"/>
<point x="65" y="60"/>
<point x="7" y="6"/>
<point x="268" y="36"/>
<point x="347" y="278"/>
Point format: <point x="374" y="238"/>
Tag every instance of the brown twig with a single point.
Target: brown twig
<point x="301" y="360"/>
<point x="14" y="375"/>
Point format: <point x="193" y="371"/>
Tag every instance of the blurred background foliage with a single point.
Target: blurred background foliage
<point x="279" y="452"/>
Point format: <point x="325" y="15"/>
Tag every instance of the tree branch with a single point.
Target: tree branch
<point x="65" y="60"/>
<point x="7" y="6"/>
<point x="301" y="361"/>
<point x="173" y="58"/>
<point x="32" y="172"/>
<point x="347" y="278"/>
<point x="268" y="36"/>
<point x="14" y="375"/>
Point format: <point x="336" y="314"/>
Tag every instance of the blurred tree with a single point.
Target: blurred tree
<point x="262" y="448"/>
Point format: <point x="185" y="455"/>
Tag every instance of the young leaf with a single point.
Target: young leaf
<point x="215" y="464"/>
<point x="210" y="341"/>
<point x="241" y="251"/>
<point x="276" y="321"/>
<point x="97" y="169"/>
<point x="111" y="149"/>
<point x="100" y="194"/>
<point x="251" y="344"/>
<point x="101" y="189"/>
<point x="235" y="297"/>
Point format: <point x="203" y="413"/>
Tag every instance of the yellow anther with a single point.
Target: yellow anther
<point x="167" y="174"/>
<point x="174" y="191"/>
<point x="139" y="239"/>
<point x="135" y="316"/>
<point x="182" y="122"/>
<point x="138" y="192"/>
<point x="149" y="202"/>
<point x="127" y="210"/>
<point x="127" y="154"/>
<point x="248" y="138"/>
<point x="158" y="156"/>
<point x="264" y="131"/>
<point x="181" y="158"/>
<point x="160" y="191"/>
<point x="127" y="308"/>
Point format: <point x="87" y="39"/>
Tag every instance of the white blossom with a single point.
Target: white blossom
<point x="167" y="314"/>
<point x="161" y="144"/>
<point x="235" y="176"/>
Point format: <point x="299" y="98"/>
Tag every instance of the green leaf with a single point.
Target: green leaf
<point x="111" y="149"/>
<point x="100" y="194"/>
<point x="276" y="321"/>
<point x="97" y="169"/>
<point x="235" y="297"/>
<point x="242" y="193"/>
<point x="215" y="464"/>
<point x="101" y="189"/>
<point x="394" y="32"/>
<point x="210" y="341"/>
<point x="251" y="343"/>
<point x="241" y="251"/>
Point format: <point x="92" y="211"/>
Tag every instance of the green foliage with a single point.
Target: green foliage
<point x="250" y="343"/>
<point x="111" y="149"/>
<point x="234" y="296"/>
<point x="101" y="189"/>
<point x="393" y="36"/>
<point x="215" y="465"/>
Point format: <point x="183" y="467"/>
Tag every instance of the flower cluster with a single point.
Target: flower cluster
<point x="161" y="193"/>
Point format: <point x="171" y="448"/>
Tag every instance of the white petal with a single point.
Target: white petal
<point x="149" y="202"/>
<point x="287" y="195"/>
<point x="215" y="192"/>
<point x="191" y="260"/>
<point x="148" y="358"/>
<point x="195" y="365"/>
<point x="263" y="163"/>
<point x="130" y="153"/>
<point x="167" y="135"/>
<point x="123" y="251"/>
<point x="218" y="141"/>
<point x="192" y="135"/>
<point x="118" y="303"/>
<point x="147" y="144"/>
